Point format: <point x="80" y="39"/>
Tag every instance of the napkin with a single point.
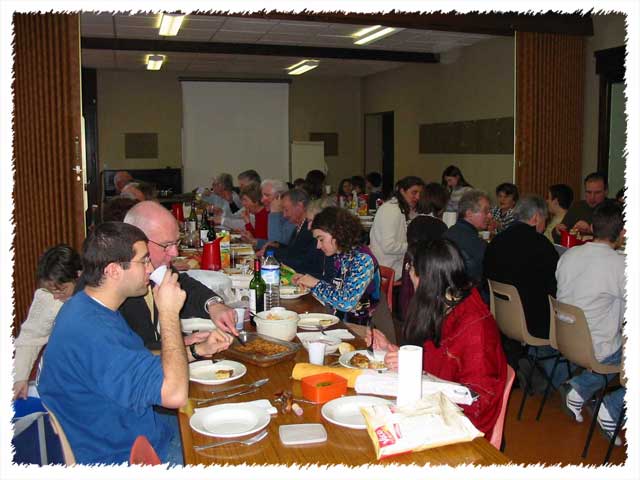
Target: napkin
<point x="302" y="370"/>
<point x="339" y="334"/>
<point x="409" y="374"/>
<point x="262" y="403"/>
<point x="386" y="384"/>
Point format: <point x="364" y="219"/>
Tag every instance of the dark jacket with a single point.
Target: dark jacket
<point x="301" y="254"/>
<point x="526" y="259"/>
<point x="579" y="210"/>
<point x="472" y="247"/>
<point x="137" y="314"/>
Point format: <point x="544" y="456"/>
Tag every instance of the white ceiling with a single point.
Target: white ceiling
<point x="255" y="31"/>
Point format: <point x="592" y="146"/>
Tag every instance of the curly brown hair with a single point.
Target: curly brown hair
<point x="342" y="225"/>
<point x="252" y="192"/>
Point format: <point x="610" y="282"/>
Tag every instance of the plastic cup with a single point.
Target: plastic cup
<point x="158" y="274"/>
<point x="239" y="318"/>
<point x="316" y="353"/>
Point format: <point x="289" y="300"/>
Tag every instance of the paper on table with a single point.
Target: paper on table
<point x="409" y="374"/>
<point x="386" y="384"/>
<point x="262" y="403"/>
<point x="340" y="333"/>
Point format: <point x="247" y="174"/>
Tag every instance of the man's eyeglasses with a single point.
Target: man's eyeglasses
<point x="145" y="261"/>
<point x="168" y="245"/>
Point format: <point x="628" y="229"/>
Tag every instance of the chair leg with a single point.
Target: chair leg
<point x="549" y="387"/>
<point x="592" y="427"/>
<point x="615" y="434"/>
<point x="525" y="390"/>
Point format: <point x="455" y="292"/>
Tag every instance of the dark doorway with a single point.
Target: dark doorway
<point x="379" y="147"/>
<point x="90" y="114"/>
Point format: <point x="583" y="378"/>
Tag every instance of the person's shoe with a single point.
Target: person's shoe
<point x="571" y="402"/>
<point x="607" y="424"/>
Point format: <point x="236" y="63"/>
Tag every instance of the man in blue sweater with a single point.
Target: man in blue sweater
<point x="97" y="376"/>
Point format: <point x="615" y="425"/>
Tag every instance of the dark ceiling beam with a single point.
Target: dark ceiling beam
<point x="505" y="24"/>
<point x="159" y="46"/>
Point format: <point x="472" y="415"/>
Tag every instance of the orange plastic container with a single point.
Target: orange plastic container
<point x="323" y="387"/>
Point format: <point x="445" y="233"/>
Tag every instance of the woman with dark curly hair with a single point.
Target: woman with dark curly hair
<point x="355" y="289"/>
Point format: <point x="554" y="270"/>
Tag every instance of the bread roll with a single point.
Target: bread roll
<point x="345" y="347"/>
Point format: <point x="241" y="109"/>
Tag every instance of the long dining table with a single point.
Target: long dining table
<point x="343" y="445"/>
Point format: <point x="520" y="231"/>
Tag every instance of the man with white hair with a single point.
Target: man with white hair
<point x="120" y="179"/>
<point x="279" y="228"/>
<point x="161" y="229"/>
<point x="523" y="257"/>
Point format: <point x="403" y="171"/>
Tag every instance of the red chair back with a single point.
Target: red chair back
<point x="386" y="285"/>
<point x="496" y="435"/>
<point x="142" y="453"/>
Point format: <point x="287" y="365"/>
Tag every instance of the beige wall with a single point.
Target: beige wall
<point x="152" y="102"/>
<point x="608" y="32"/>
<point x="325" y="106"/>
<point x="478" y="85"/>
<point x="132" y="102"/>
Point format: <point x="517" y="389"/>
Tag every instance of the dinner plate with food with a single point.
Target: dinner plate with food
<point x="210" y="373"/>
<point x="313" y="321"/>
<point x="361" y="359"/>
<point x="291" y="292"/>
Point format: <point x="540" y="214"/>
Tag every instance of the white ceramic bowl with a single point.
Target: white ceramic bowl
<point x="330" y="342"/>
<point x="277" y="323"/>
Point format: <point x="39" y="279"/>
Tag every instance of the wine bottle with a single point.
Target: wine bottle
<point x="257" y="289"/>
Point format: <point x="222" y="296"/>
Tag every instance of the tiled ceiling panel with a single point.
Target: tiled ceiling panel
<point x="203" y="28"/>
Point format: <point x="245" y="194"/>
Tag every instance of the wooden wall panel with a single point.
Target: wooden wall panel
<point x="48" y="205"/>
<point x="549" y="111"/>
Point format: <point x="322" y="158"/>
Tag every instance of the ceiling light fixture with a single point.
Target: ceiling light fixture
<point x="302" y="67"/>
<point x="170" y="24"/>
<point x="154" y="62"/>
<point x="382" y="32"/>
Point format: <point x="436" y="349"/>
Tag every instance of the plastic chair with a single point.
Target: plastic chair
<point x="387" y="276"/>
<point x="573" y="338"/>
<point x="498" y="428"/>
<point x="142" y="453"/>
<point x="67" y="452"/>
<point x="623" y="413"/>
<point x="511" y="321"/>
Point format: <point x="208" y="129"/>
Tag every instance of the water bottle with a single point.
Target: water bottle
<point x="270" y="272"/>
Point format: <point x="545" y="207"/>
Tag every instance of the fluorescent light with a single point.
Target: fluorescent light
<point x="364" y="31"/>
<point x="302" y="67"/>
<point x="170" y="24"/>
<point x="385" y="32"/>
<point x="154" y="62"/>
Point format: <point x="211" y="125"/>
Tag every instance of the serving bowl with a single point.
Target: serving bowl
<point x="277" y="323"/>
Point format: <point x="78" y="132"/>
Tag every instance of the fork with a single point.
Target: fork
<point x="370" y="346"/>
<point x="248" y="441"/>
<point x="321" y="328"/>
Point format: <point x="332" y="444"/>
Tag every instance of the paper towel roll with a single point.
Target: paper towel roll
<point x="409" y="375"/>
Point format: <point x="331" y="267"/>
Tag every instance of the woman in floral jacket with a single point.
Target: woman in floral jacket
<point x="355" y="290"/>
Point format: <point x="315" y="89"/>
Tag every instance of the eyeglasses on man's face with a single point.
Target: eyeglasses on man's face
<point x="146" y="261"/>
<point x="168" y="245"/>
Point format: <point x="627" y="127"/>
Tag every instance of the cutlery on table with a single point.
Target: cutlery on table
<point x="256" y="384"/>
<point x="200" y="403"/>
<point x="370" y="346"/>
<point x="248" y="441"/>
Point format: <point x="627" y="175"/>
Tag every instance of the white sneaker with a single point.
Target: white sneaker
<point x="607" y="424"/>
<point x="571" y="402"/>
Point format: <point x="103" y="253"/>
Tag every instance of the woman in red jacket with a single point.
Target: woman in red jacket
<point x="459" y="335"/>
<point x="250" y="198"/>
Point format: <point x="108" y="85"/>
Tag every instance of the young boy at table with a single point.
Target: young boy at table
<point x="97" y="376"/>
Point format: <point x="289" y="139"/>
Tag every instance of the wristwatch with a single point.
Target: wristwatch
<point x="194" y="354"/>
<point x="215" y="299"/>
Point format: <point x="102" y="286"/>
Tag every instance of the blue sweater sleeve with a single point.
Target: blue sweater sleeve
<point x="360" y="271"/>
<point x="280" y="229"/>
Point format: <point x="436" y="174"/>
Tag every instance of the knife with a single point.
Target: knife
<point x="257" y="383"/>
<point x="224" y="397"/>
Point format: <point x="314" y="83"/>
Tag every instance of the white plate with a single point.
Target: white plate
<point x="189" y="325"/>
<point x="345" y="411"/>
<point x="366" y="218"/>
<point x="204" y="371"/>
<point x="229" y="420"/>
<point x="288" y="292"/>
<point x="311" y="321"/>
<point x="345" y="358"/>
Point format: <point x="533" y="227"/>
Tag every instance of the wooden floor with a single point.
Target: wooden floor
<point x="555" y="439"/>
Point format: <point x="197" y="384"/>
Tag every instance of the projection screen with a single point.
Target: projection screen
<point x="232" y="126"/>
